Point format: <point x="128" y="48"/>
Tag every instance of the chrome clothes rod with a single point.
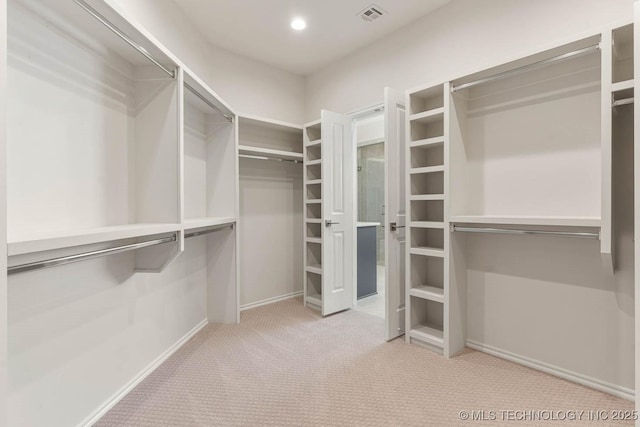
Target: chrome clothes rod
<point x="208" y="231"/>
<point x="123" y="36"/>
<point x="524" y="68"/>
<point x="582" y="235"/>
<point x="624" y="101"/>
<point x="22" y="268"/>
<point x="206" y="101"/>
<point x="276" y="159"/>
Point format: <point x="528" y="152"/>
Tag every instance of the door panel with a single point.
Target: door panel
<point x="338" y="187"/>
<point x="395" y="202"/>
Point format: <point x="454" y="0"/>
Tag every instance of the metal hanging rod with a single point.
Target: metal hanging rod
<point x="524" y="68"/>
<point x="624" y="101"/>
<point x="124" y="37"/>
<point x="275" y="159"/>
<point x="22" y="268"/>
<point x="582" y="235"/>
<point x="208" y="231"/>
<point x="206" y="101"/>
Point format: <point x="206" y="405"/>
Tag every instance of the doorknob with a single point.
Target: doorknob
<point x="394" y="226"/>
<point x="328" y="223"/>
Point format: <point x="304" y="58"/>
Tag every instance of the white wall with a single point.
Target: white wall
<point x="560" y="310"/>
<point x="271" y="231"/>
<point x="370" y="129"/>
<point x="249" y="86"/>
<point x="463" y="35"/>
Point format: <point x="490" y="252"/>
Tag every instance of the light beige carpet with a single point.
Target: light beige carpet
<point x="284" y="365"/>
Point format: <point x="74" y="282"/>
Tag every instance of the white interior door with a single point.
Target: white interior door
<point x="395" y="208"/>
<point x="339" y="208"/>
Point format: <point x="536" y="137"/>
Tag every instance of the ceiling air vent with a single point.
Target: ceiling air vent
<point x="371" y="13"/>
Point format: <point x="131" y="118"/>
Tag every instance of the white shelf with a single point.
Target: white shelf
<point x="270" y="123"/>
<point x="429" y="169"/>
<point x="428" y="116"/>
<point x="429" y="142"/>
<point x="314" y="182"/>
<point x="37" y="242"/>
<point x="313" y="143"/>
<point x="430" y="293"/>
<point x="620" y="86"/>
<point x="314" y="221"/>
<point x="432" y="252"/>
<point x="317" y="269"/>
<point x="315" y="300"/>
<point x="427" y="197"/>
<point x="314" y="162"/>
<point x="191" y="224"/>
<point x="427" y="224"/>
<point x="267" y="152"/>
<point x="428" y="334"/>
<point x="314" y="240"/>
<point x="314" y="201"/>
<point x="560" y="221"/>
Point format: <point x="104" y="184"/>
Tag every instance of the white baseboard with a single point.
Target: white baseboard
<point x="613" y="389"/>
<point x="270" y="300"/>
<point x="111" y="402"/>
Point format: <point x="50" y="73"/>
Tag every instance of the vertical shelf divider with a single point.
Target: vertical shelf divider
<point x="428" y="246"/>
<point x="313" y="217"/>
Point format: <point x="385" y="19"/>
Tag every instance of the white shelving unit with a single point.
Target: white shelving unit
<point x="427" y="256"/>
<point x="617" y="111"/>
<point x="210" y="186"/>
<point x="522" y="147"/>
<point x="111" y="145"/>
<point x="549" y="133"/>
<point x="120" y="162"/>
<point x="271" y="209"/>
<point x="313" y="227"/>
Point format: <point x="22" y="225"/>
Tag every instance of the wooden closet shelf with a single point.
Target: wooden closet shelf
<point x="428" y="169"/>
<point x="430" y="293"/>
<point x="315" y="300"/>
<point x="267" y="152"/>
<point x="560" y="221"/>
<point x="25" y="244"/>
<point x="194" y="223"/>
<point x="428" y="142"/>
<point x="620" y="86"/>
<point x="316" y="269"/>
<point x="427" y="224"/>
<point x="427" y="197"/>
<point x="430" y="252"/>
<point x="430" y="116"/>
<point x="428" y="334"/>
<point x="313" y="143"/>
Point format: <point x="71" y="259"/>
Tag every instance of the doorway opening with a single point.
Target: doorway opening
<point x="370" y="173"/>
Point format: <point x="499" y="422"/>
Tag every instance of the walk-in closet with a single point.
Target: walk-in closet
<point x="301" y="213"/>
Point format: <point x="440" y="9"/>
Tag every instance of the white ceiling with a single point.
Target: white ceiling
<point x="260" y="29"/>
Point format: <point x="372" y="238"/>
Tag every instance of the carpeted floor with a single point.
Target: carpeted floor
<point x="284" y="365"/>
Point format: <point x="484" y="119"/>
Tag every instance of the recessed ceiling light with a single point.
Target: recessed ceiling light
<point x="298" y="24"/>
